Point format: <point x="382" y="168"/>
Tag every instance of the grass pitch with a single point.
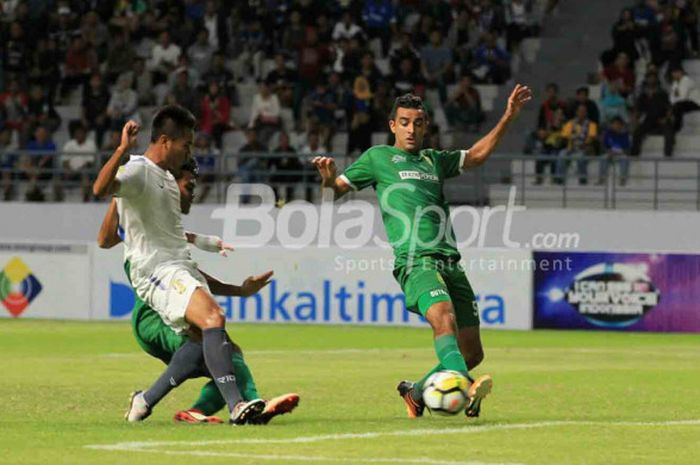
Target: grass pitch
<point x="559" y="398"/>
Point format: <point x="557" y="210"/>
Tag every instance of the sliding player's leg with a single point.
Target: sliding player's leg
<point x="426" y="293"/>
<point x="468" y="334"/>
<point x="203" y="312"/>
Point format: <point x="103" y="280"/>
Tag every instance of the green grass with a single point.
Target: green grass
<point x="64" y="385"/>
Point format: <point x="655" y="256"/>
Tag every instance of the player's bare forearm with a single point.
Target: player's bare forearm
<point x="108" y="236"/>
<point x="250" y="286"/>
<point x="106" y="184"/>
<point x="480" y="151"/>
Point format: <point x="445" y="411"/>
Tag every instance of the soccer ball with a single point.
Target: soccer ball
<point x="445" y="392"/>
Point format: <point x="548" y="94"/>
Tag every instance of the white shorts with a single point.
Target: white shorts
<point x="170" y="290"/>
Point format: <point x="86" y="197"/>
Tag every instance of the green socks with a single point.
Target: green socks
<point x="210" y="400"/>
<point x="449" y="355"/>
<point x="450" y="358"/>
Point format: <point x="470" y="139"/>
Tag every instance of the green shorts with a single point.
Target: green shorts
<point x="152" y="334"/>
<point x="435" y="279"/>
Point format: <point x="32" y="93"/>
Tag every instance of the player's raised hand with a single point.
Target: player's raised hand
<point x="129" y="133"/>
<point x="253" y="284"/>
<point x="518" y="98"/>
<point x="326" y="167"/>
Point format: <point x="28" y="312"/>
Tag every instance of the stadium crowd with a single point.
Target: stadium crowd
<point x="320" y="67"/>
<point x="643" y="90"/>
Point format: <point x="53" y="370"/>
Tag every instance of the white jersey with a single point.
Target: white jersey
<point x="150" y="216"/>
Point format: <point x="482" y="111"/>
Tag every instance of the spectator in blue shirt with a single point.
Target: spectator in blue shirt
<point x="38" y="163"/>
<point x="617" y="144"/>
<point x="380" y="20"/>
<point x="492" y="62"/>
<point x="437" y="64"/>
<point x="206" y="156"/>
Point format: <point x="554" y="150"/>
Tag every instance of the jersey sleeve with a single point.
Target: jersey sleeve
<point x="132" y="180"/>
<point x="450" y="162"/>
<point x="361" y="173"/>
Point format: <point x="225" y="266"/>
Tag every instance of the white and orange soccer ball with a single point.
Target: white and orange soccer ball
<point x="445" y="392"/>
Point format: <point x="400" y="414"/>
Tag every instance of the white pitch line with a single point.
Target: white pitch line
<point x="147" y="445"/>
<point x="316" y="458"/>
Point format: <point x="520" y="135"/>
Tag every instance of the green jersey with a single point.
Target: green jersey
<point x="409" y="188"/>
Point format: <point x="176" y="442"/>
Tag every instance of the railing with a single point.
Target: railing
<point x="652" y="183"/>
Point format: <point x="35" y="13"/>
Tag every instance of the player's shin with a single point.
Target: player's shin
<point x="217" y="356"/>
<point x="185" y="364"/>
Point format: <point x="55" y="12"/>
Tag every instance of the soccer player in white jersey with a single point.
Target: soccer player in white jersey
<point x="162" y="270"/>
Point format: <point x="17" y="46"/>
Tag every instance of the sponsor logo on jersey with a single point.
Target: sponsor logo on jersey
<point x="418" y="176"/>
<point x="18" y="286"/>
<point x="438" y="292"/>
<point x="398" y="158"/>
<point x="178" y="286"/>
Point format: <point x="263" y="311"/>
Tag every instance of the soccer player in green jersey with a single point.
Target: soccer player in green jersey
<point x="160" y="341"/>
<point x="408" y="181"/>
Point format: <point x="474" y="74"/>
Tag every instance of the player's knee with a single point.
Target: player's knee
<point x="215" y="318"/>
<point x="442" y="318"/>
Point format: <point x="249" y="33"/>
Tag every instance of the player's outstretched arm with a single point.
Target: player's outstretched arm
<point x="213" y="244"/>
<point x="106" y="182"/>
<point x="250" y="286"/>
<point x="483" y="148"/>
<point x="108" y="236"/>
<point x="329" y="176"/>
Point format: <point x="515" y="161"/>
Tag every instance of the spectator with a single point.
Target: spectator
<point x="613" y="105"/>
<point x="551" y="104"/>
<point x="688" y="17"/>
<point x="251" y="165"/>
<point x="464" y="106"/>
<point x="437" y="64"/>
<point x="164" y="58"/>
<point x="207" y="157"/>
<point x="46" y="68"/>
<point x="492" y="62"/>
<point x="404" y="51"/>
<point x="625" y="34"/>
<point x="287" y="169"/>
<point x="184" y="94"/>
<point x="382" y="103"/>
<point x="313" y="57"/>
<point x="620" y="73"/>
<point x="517" y="24"/>
<point x="685" y="96"/>
<point x="346" y="28"/>
<point x="440" y="11"/>
<point x="39" y="112"/>
<point x="215" y="113"/>
<point x="294" y="34"/>
<point x="16" y="55"/>
<point x="458" y="37"/>
<point x="360" y="136"/>
<point x="348" y="58"/>
<point x="580" y="135"/>
<point x="251" y="46"/>
<point x="120" y="58"/>
<point x="214" y="22"/>
<point x="124" y="103"/>
<point x="94" y="107"/>
<point x="489" y="18"/>
<point x="8" y="162"/>
<point x="407" y="78"/>
<point x="369" y="70"/>
<point x="380" y="20"/>
<point x="142" y="82"/>
<point x="81" y="61"/>
<point x="653" y="115"/>
<point x="201" y="52"/>
<point x="322" y="116"/>
<point x="582" y="98"/>
<point x="37" y="164"/>
<point x="77" y="157"/>
<point x="265" y="112"/>
<point x="219" y="73"/>
<point x="547" y="141"/>
<point x="14" y="108"/>
<point x="616" y="142"/>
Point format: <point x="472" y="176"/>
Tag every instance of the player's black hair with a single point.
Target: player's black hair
<point x="172" y="121"/>
<point x="192" y="166"/>
<point x="406" y="101"/>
